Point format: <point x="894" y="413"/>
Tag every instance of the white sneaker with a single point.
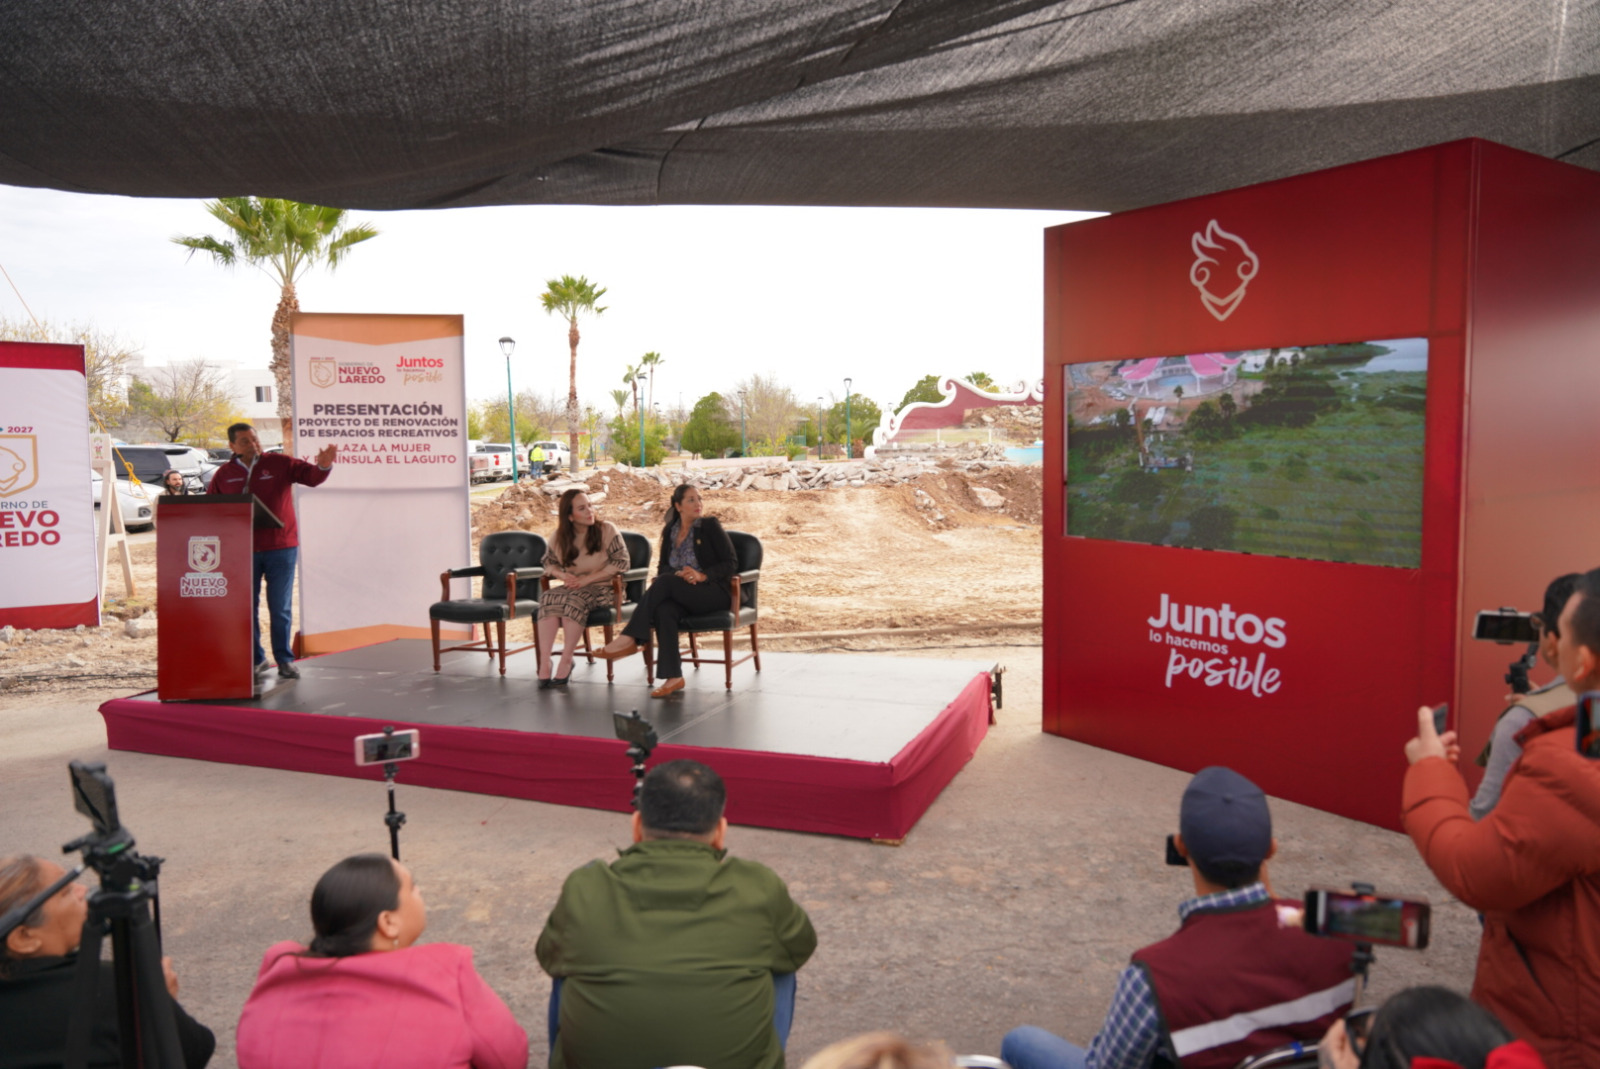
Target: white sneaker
<point x="263" y="669"/>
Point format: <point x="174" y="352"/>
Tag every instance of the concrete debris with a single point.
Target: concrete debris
<point x="988" y="498"/>
<point x="143" y="627"/>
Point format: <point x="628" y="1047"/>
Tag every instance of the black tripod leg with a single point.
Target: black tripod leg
<point x="159" y="1036"/>
<point x="85" y="992"/>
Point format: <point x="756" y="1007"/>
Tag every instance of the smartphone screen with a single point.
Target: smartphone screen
<point x="381" y="749"/>
<point x="1399" y="922"/>
<point x="1441" y="717"/>
<point x="1508" y="627"/>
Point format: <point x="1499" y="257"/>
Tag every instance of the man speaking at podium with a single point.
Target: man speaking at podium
<point x="271" y="477"/>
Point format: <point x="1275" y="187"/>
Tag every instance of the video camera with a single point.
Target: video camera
<point x="1508" y="627"/>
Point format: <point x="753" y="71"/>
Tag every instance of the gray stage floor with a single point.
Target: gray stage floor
<point x="818" y="705"/>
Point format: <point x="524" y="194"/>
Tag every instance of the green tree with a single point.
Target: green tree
<point x="710" y="431"/>
<point x="621" y="399"/>
<point x="286" y="239"/>
<point x="569" y="298"/>
<point x="1206" y="423"/>
<point x="1228" y="406"/>
<point x="630" y="378"/>
<point x="865" y="415"/>
<point x="982" y="381"/>
<point x="926" y="389"/>
<point x="1177" y="391"/>
<point x="474" y="423"/>
<point x="625" y="440"/>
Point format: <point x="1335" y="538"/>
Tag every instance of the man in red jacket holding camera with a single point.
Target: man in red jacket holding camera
<point x="271" y="477"/>
<point x="1532" y="866"/>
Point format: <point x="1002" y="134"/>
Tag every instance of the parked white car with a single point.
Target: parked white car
<point x="137" y="501"/>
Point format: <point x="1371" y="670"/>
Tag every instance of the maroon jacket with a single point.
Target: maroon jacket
<point x="271" y="478"/>
<point x="1233" y="982"/>
<point x="1532" y="866"/>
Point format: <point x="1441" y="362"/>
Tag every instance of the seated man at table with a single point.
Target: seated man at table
<point x="670" y="954"/>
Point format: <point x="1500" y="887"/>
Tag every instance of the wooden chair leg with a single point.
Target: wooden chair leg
<point x="500" y="637"/>
<point x="649" y="666"/>
<point x="488" y="646"/>
<point x="588" y="649"/>
<point x="694" y="650"/>
<point x="435" y="624"/>
<point x="755" y="646"/>
<point x="727" y="656"/>
<point x="538" y="643"/>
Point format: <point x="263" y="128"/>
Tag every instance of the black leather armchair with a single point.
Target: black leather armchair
<point x="510" y="564"/>
<point x="742" y="610"/>
<point x="627" y="590"/>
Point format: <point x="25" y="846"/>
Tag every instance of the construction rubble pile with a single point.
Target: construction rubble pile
<point x="1014" y="490"/>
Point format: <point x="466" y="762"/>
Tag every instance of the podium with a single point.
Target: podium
<point x="204" y="596"/>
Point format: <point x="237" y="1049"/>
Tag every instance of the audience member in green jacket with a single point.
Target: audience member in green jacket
<point x="670" y="955"/>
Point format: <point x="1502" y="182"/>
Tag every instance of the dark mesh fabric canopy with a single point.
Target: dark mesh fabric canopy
<point x="1092" y="104"/>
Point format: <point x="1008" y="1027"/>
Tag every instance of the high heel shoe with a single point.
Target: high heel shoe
<point x="560" y="681"/>
<point x="546" y="684"/>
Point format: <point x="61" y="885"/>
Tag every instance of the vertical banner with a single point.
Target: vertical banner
<point x="48" y="576"/>
<point x="390" y="392"/>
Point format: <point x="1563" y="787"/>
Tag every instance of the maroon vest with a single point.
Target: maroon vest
<point x="1232" y="983"/>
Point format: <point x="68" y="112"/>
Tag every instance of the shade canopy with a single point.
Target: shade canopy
<point x="1084" y="104"/>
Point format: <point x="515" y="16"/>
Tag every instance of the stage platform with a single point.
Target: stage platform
<point x="834" y="743"/>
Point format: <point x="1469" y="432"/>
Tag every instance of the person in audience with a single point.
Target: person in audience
<point x="1532" y="866"/>
<point x="38" y="966"/>
<point x="696" y="560"/>
<point x="172" y="484"/>
<point x="1235" y="979"/>
<point x="1424" y="1028"/>
<point x="583" y="556"/>
<point x="881" y="1050"/>
<point x="1502" y="750"/>
<point x="674" y="953"/>
<point x="364" y="995"/>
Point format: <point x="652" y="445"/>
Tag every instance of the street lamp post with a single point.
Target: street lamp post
<point x="506" y="346"/>
<point x="642" y="375"/>
<point x="848" y="455"/>
<point x="744" y="443"/>
<point x="819" y="427"/>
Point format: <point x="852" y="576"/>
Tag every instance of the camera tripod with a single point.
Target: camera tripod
<point x="147" y="1031"/>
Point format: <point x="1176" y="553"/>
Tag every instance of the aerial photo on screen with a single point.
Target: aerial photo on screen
<point x="1311" y="451"/>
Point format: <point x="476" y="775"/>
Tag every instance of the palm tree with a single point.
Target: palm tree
<point x="286" y="239"/>
<point x="568" y="297"/>
<point x="630" y="377"/>
<point x="621" y="398"/>
<point x="651" y="361"/>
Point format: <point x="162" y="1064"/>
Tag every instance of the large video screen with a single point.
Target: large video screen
<point x="1311" y="451"/>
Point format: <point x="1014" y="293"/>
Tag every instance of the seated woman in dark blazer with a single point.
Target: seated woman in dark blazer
<point x="696" y="561"/>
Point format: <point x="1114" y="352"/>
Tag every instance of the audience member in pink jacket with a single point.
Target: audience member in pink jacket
<point x="363" y="997"/>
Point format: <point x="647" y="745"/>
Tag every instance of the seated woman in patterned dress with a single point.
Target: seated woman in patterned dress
<point x="583" y="556"/>
<point x="696" y="562"/>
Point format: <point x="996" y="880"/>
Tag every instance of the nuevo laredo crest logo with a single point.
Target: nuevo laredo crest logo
<point x="205" y="557"/>
<point x="19" y="463"/>
<point x="1223" y="266"/>
<point x="324" y="371"/>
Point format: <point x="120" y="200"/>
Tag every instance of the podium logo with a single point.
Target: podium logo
<point x="19" y="463"/>
<point x="1221" y="260"/>
<point x="205" y="557"/>
<point x="324" y="371"/>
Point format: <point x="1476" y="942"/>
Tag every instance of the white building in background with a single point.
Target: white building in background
<point x="253" y="389"/>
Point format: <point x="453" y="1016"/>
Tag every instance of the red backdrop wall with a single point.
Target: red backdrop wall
<point x="1487" y="253"/>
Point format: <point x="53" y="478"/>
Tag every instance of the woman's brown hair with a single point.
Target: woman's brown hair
<point x="21" y="878"/>
<point x="566" y="541"/>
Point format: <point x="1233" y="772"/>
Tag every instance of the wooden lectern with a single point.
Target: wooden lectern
<point x="204" y="597"/>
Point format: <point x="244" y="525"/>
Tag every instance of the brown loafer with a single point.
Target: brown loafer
<point x="616" y="655"/>
<point x="669" y="688"/>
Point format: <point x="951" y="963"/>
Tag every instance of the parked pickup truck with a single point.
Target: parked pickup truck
<point x="487" y="466"/>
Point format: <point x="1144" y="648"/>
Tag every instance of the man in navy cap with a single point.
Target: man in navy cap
<point x="1233" y="980"/>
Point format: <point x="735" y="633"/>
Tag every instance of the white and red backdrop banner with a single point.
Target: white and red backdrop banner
<point x="48" y="574"/>
<point x="390" y="392"/>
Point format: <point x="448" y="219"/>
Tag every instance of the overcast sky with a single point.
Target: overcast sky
<point x="811" y="295"/>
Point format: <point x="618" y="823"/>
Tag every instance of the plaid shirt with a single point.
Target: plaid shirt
<point x="1132" y="1030"/>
